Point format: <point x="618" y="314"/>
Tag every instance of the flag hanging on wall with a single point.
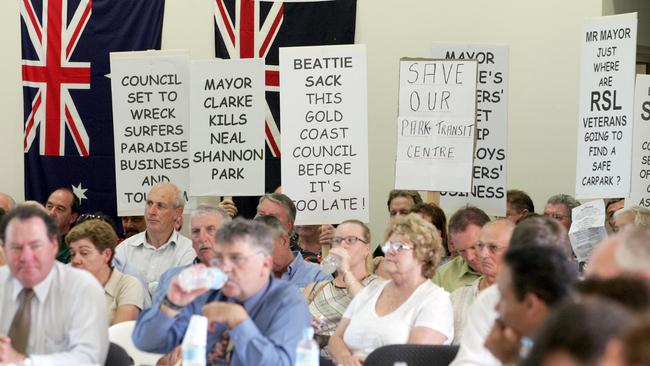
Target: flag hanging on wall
<point x="254" y="28"/>
<point x="68" y="140"/>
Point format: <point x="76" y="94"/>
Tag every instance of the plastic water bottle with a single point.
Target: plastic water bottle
<point x="330" y="263"/>
<point x="194" y="341"/>
<point x="307" y="352"/>
<point x="193" y="278"/>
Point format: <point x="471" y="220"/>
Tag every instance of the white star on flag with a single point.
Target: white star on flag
<point x="80" y="192"/>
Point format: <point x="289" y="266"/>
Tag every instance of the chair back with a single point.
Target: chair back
<point x="117" y="356"/>
<point x="120" y="334"/>
<point x="412" y="355"/>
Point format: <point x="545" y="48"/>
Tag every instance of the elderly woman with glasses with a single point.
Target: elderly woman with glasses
<point x="328" y="299"/>
<point x="408" y="308"/>
<point x="92" y="244"/>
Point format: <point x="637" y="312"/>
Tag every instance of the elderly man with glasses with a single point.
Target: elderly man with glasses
<point x="493" y="241"/>
<point x="255" y="319"/>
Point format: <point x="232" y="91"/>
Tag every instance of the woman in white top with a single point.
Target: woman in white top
<point x="408" y="308"/>
<point x="92" y="244"/>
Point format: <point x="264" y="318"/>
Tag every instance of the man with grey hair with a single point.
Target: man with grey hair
<point x="261" y="316"/>
<point x="632" y="216"/>
<point x="160" y="247"/>
<point x="289" y="265"/>
<point x="559" y="207"/>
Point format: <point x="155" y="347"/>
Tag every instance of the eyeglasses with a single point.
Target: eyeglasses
<point x="493" y="248"/>
<point x="350" y="240"/>
<point x="397" y="246"/>
<point x="236" y="260"/>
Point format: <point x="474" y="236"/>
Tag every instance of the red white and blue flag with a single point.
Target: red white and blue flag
<point x="254" y="28"/>
<point x="68" y="139"/>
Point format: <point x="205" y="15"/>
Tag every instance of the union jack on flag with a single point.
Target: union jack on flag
<point x="68" y="139"/>
<point x="53" y="74"/>
<point x="254" y="28"/>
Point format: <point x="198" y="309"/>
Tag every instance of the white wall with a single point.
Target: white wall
<point x="544" y="41"/>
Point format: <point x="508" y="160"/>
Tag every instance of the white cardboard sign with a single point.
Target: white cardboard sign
<point x="150" y="92"/>
<point x="489" y="173"/>
<point x="640" y="187"/>
<point x="227" y="127"/>
<point x="323" y="104"/>
<point x="436" y="125"/>
<point x="606" y="107"/>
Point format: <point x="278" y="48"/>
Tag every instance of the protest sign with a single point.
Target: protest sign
<point x="436" y="125"/>
<point x="323" y="104"/>
<point x="587" y="228"/>
<point x="607" y="70"/>
<point x="640" y="185"/>
<point x="227" y="127"/>
<point x="489" y="170"/>
<point x="150" y="92"/>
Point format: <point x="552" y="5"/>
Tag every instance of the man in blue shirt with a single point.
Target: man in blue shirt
<point x="290" y="265"/>
<point x="261" y="316"/>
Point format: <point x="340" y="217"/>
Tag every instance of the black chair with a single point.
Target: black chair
<point x="412" y="354"/>
<point x="117" y="356"/>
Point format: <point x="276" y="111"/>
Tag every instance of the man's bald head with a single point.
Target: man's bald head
<point x="7" y="202"/>
<point x="602" y="262"/>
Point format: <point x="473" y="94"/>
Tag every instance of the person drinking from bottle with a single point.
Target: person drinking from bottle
<point x="328" y="300"/>
<point x="408" y="308"/>
<point x="254" y="319"/>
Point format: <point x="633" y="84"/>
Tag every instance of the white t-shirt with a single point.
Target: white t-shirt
<point x="429" y="306"/>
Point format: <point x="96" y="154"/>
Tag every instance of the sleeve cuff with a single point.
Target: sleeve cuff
<point x="244" y="331"/>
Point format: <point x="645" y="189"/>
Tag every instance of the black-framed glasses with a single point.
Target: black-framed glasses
<point x="349" y="240"/>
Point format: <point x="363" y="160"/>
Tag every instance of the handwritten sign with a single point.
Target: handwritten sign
<point x="227" y="127"/>
<point x="606" y="107"/>
<point x="436" y="125"/>
<point x="489" y="171"/>
<point x="150" y="93"/>
<point x="323" y="104"/>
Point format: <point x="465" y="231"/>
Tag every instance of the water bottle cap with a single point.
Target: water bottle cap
<point x="197" y="331"/>
<point x="308" y="332"/>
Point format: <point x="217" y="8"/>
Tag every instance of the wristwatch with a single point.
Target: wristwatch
<point x="168" y="303"/>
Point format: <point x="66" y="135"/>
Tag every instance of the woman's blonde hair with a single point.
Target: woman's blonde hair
<point x="423" y="237"/>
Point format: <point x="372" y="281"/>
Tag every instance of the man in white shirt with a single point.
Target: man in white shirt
<point x="50" y="314"/>
<point x="160" y="247"/>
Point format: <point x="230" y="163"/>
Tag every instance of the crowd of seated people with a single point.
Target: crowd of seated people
<point x="505" y="290"/>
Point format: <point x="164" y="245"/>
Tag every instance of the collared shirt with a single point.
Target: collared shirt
<point x="122" y="289"/>
<point x="301" y="273"/>
<point x="454" y="274"/>
<point x="480" y="319"/>
<point x="68" y="316"/>
<point x="151" y="262"/>
<point x="277" y="317"/>
<point x="461" y="299"/>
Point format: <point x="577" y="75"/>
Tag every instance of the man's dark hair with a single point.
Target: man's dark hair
<point x="539" y="230"/>
<point x="580" y="330"/>
<point x="465" y="216"/>
<point x="25" y="212"/>
<point x="414" y="195"/>
<point x="75" y="200"/>
<point x="520" y="200"/>
<point x="438" y="219"/>
<point x="630" y="292"/>
<point x="544" y="271"/>
<point x="284" y="201"/>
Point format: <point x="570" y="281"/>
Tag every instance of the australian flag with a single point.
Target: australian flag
<point x="68" y="139"/>
<point x="254" y="28"/>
